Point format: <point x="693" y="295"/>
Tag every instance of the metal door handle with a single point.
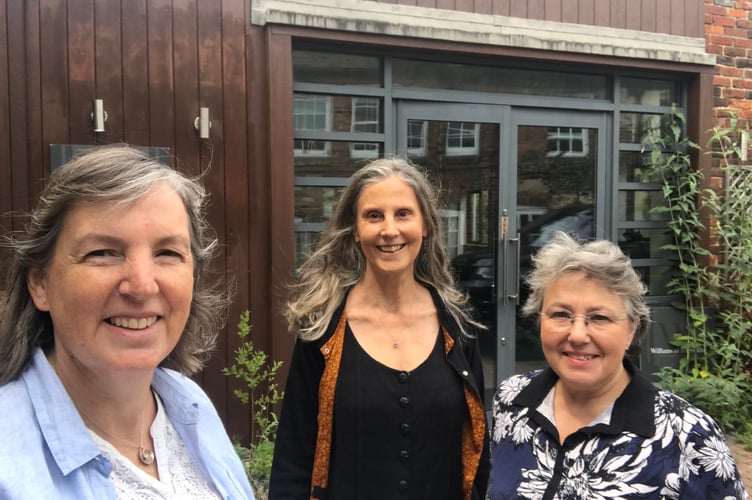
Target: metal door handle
<point x="503" y="230"/>
<point x="516" y="295"/>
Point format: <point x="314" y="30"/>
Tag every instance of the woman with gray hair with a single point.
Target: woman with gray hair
<point x="591" y="425"/>
<point x="105" y="313"/>
<point x="383" y="398"/>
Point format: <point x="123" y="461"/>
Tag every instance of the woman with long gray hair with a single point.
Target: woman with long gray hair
<point x="383" y="398"/>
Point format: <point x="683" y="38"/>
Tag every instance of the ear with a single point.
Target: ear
<point x="37" y="286"/>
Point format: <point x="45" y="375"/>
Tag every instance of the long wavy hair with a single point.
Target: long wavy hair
<point x="112" y="173"/>
<point x="337" y="263"/>
<point x="602" y="261"/>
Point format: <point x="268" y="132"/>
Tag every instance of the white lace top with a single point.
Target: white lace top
<point x="179" y="476"/>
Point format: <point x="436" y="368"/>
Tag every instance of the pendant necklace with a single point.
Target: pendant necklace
<point x="145" y="455"/>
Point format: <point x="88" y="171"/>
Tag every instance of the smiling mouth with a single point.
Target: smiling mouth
<point x="132" y="323"/>
<point x="580" y="357"/>
<point x="391" y="248"/>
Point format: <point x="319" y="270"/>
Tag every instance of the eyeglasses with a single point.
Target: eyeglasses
<point x="595" y="321"/>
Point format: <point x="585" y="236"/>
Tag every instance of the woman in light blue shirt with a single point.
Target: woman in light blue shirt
<point x="105" y="315"/>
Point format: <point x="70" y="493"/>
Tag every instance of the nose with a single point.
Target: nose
<point x="389" y="227"/>
<point x="578" y="331"/>
<point x="139" y="281"/>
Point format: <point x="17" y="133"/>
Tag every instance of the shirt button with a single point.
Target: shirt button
<point x="464" y="373"/>
<point x="404" y="429"/>
<point x="403" y="485"/>
<point x="403" y="376"/>
<point x="404" y="401"/>
<point x="404" y="455"/>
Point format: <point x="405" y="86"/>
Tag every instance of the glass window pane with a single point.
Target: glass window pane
<point x="648" y="92"/>
<point x="656" y="278"/>
<point x="337" y="113"/>
<point x="645" y="243"/>
<point x="637" y="205"/>
<point x="639" y="128"/>
<point x="310" y="66"/>
<point x="447" y="76"/>
<point x="340" y="160"/>
<point x="632" y="167"/>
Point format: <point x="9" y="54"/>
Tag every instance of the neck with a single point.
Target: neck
<point x="388" y="295"/>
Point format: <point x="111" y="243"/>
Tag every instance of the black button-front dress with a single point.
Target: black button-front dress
<point x="397" y="434"/>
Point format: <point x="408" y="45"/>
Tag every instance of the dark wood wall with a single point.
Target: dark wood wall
<point x="676" y="17"/>
<point x="154" y="63"/>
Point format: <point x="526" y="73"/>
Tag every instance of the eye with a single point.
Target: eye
<point x="373" y="215"/>
<point x="100" y="255"/>
<point x="560" y="315"/>
<point x="403" y="212"/>
<point x="599" y="319"/>
<point x="170" y="254"/>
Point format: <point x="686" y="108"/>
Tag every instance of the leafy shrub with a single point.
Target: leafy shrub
<point x="258" y="372"/>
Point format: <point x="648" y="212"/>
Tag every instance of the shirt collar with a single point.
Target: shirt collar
<point x="633" y="410"/>
<point x="66" y="435"/>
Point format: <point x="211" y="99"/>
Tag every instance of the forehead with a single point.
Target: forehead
<point x="392" y="187"/>
<point x="579" y="287"/>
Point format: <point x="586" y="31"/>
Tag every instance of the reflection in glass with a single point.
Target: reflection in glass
<point x="648" y="92"/>
<point x="645" y="243"/>
<point x="633" y="166"/>
<point x="639" y="128"/>
<point x="339" y="160"/>
<point x="656" y="278"/>
<point x="336" y="69"/>
<point x="475" y="78"/>
<point x="638" y="205"/>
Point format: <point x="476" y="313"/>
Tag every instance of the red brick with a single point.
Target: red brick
<point x="747" y="44"/>
<point x="715" y="10"/>
<point x="715" y="29"/>
<point x="714" y="49"/>
<point x="744" y="23"/>
<point x="734" y="51"/>
<point x="734" y="93"/>
<point x="723" y="21"/>
<point x="728" y="71"/>
<point x="721" y="81"/>
<point x="722" y="40"/>
<point x="743" y="83"/>
<point x="736" y="32"/>
<point x="738" y="13"/>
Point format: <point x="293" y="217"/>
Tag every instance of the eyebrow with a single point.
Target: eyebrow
<point x="110" y="240"/>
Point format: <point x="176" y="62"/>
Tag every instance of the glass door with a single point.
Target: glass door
<point x="461" y="147"/>
<point x="509" y="180"/>
<point x="556" y="181"/>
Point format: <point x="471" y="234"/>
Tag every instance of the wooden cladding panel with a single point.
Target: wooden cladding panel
<point x="154" y="63"/>
<point x="676" y="17"/>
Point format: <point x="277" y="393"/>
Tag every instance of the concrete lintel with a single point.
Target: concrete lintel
<point x="362" y="16"/>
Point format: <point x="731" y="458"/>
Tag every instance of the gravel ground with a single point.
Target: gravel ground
<point x="743" y="459"/>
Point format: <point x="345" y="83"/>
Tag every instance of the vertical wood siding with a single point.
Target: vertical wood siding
<point x="676" y="17"/>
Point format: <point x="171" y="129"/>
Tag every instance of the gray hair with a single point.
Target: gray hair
<point x="600" y="260"/>
<point x="112" y="173"/>
<point x="337" y="263"/>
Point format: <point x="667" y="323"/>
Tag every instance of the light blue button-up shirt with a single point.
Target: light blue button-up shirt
<point x="46" y="451"/>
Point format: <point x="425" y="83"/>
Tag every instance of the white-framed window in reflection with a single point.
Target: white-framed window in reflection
<point x="311" y="113"/>
<point x="569" y="142"/>
<point x="416" y="137"/>
<point x="462" y="138"/>
<point x="453" y="225"/>
<point x="365" y="118"/>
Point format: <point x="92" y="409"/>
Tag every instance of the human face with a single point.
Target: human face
<point x="118" y="285"/>
<point x="587" y="358"/>
<point x="389" y="227"/>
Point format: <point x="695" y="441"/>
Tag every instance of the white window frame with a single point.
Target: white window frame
<point x="568" y="135"/>
<point x="372" y="107"/>
<point x="464" y="133"/>
<point x="303" y="120"/>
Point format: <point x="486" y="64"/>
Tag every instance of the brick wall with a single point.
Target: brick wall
<point x="728" y="32"/>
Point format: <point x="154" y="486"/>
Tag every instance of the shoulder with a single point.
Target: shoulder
<point x="16" y="409"/>
<point x="172" y="385"/>
<point x="511" y="387"/>
<point x="684" y="419"/>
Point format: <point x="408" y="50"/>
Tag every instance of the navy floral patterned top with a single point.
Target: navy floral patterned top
<point x="649" y="444"/>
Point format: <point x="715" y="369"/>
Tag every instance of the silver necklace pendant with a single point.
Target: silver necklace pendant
<point x="395" y="344"/>
<point x="145" y="455"/>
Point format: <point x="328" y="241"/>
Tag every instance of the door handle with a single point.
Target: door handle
<point x="503" y="232"/>
<point x="516" y="295"/>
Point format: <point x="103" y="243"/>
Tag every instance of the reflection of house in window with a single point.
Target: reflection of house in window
<point x="567" y="142"/>
<point x="416" y="137"/>
<point x="311" y="112"/>
<point x="365" y="118"/>
<point x="462" y="138"/>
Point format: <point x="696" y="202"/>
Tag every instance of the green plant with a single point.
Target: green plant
<point x="253" y="367"/>
<point x="714" y="371"/>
